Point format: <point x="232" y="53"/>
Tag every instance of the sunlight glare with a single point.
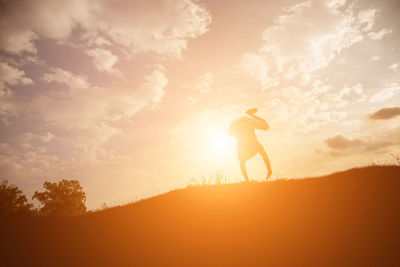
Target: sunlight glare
<point x="219" y="144"/>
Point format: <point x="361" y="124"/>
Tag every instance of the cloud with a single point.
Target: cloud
<point x="8" y="107"/>
<point x="152" y="89"/>
<point x="136" y="26"/>
<point x="306" y="38"/>
<point x="12" y="76"/>
<point x="27" y="157"/>
<point x="25" y="21"/>
<point x="379" y="34"/>
<point x="29" y="137"/>
<point x="191" y="100"/>
<point x="341" y="142"/>
<point x="84" y="115"/>
<point x="301" y="112"/>
<point x="16" y="40"/>
<point x="315" y="46"/>
<point x="375" y="142"/>
<point x="65" y="77"/>
<point x="367" y="18"/>
<point x="385" y="113"/>
<point x="202" y="84"/>
<point x="104" y="60"/>
<point x="394" y="67"/>
<point x="311" y="44"/>
<point x="72" y="113"/>
<point x="353" y="93"/>
<point x="256" y="67"/>
<point x="388" y="91"/>
<point x="164" y="28"/>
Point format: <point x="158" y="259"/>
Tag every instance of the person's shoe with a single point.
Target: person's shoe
<point x="268" y="176"/>
<point x="251" y="111"/>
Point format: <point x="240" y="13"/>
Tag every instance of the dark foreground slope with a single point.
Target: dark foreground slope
<point x="348" y="218"/>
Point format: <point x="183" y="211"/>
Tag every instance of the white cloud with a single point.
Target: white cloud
<point x="353" y="93"/>
<point x="26" y="20"/>
<point x="388" y="91"/>
<point x="137" y="26"/>
<point x="202" y="84"/>
<point x="163" y="28"/>
<point x="374" y="58"/>
<point x="65" y="77"/>
<point x="379" y="34"/>
<point x="28" y="137"/>
<point x="394" y="67"/>
<point x="47" y="137"/>
<point x="296" y="111"/>
<point x="18" y="40"/>
<point x="93" y="39"/>
<point x="367" y="19"/>
<point x="336" y="3"/>
<point x="12" y="76"/>
<point x="191" y="100"/>
<point x="104" y="60"/>
<point x="85" y="114"/>
<point x="8" y="106"/>
<point x="152" y="89"/>
<point x="305" y="38"/>
<point x="256" y="67"/>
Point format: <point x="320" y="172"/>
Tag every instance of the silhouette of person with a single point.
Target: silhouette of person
<point x="243" y="129"/>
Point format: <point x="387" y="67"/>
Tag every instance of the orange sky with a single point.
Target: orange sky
<point x="134" y="98"/>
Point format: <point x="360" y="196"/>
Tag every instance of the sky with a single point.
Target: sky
<point x="135" y="98"/>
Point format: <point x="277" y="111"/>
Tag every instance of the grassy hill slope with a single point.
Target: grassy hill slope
<point x="347" y="218"/>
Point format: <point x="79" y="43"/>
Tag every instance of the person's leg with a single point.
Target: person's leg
<point x="243" y="169"/>
<point x="266" y="161"/>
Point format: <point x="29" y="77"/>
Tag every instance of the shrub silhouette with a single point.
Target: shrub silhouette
<point x="65" y="198"/>
<point x="13" y="202"/>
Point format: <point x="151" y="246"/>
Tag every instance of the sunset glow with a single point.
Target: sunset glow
<point x="219" y="144"/>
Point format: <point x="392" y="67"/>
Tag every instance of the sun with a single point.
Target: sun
<point x="212" y="142"/>
<point x="219" y="143"/>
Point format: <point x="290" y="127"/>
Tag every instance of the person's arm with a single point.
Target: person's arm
<point x="261" y="123"/>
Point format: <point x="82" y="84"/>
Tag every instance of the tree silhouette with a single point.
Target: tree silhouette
<point x="65" y="198"/>
<point x="13" y="202"/>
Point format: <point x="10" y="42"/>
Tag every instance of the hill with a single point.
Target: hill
<point x="347" y="218"/>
